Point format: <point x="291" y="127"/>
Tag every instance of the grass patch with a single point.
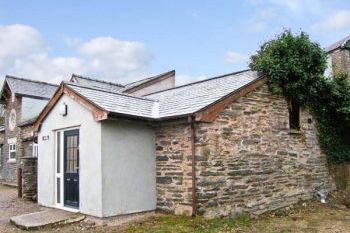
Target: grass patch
<point x="180" y="224"/>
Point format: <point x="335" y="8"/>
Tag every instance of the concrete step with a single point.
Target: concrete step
<point x="45" y="218"/>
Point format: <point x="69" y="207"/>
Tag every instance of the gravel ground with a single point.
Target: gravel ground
<point x="304" y="217"/>
<point x="10" y="206"/>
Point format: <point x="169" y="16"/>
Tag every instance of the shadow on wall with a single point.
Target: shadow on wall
<point x="341" y="176"/>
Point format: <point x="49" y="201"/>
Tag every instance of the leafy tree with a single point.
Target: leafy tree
<point x="295" y="68"/>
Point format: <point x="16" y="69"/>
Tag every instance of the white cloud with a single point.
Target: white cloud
<point x="115" y="58"/>
<point x="337" y="22"/>
<point x="24" y="53"/>
<point x="236" y="58"/>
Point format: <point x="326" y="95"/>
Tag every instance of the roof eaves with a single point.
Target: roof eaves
<point x="260" y="78"/>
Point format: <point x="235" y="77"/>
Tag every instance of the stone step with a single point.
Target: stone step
<point x="45" y="218"/>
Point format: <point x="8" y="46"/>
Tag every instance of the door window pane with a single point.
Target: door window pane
<point x="58" y="190"/>
<point x="58" y="162"/>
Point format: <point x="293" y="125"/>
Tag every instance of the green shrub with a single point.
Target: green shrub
<point x="295" y="68"/>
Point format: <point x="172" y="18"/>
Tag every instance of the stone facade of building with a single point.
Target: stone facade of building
<point x="247" y="159"/>
<point x="9" y="168"/>
<point x="340" y="60"/>
<point x="173" y="163"/>
<point x="23" y="136"/>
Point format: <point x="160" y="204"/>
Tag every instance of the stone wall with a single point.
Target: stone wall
<point x="340" y="60"/>
<point x="173" y="164"/>
<point x="9" y="169"/>
<point x="248" y="160"/>
<point x="24" y="140"/>
<point x="29" y="178"/>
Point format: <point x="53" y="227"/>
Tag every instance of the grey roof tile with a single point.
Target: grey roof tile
<point x="195" y="96"/>
<point x="32" y="88"/>
<point x="109" y="86"/>
<point x="338" y="44"/>
<point x="116" y="102"/>
<point x="173" y="102"/>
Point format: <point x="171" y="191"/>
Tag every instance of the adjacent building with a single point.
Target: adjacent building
<point x="339" y="56"/>
<point x="22" y="100"/>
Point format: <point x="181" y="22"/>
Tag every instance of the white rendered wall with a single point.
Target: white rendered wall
<point x="128" y="168"/>
<point x="90" y="156"/>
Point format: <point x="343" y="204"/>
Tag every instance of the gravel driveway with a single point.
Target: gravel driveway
<point x="10" y="206"/>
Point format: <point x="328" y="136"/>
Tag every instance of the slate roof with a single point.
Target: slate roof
<point x="146" y="80"/>
<point x="109" y="86"/>
<point x="27" y="87"/>
<point x="193" y="97"/>
<point x="173" y="102"/>
<point x="114" y="87"/>
<point x="116" y="102"/>
<point x="339" y="44"/>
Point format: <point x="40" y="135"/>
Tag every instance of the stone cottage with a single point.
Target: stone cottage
<point x="216" y="147"/>
<point x="339" y="56"/>
<point x="22" y="100"/>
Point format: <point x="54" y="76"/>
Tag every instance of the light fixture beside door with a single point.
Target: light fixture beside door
<point x="63" y="109"/>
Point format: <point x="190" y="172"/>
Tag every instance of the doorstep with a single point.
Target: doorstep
<point x="44" y="218"/>
<point x="12" y="185"/>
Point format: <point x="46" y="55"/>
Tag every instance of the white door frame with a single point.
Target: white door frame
<point x="60" y="204"/>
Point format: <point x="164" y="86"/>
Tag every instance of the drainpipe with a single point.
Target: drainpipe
<point x="193" y="150"/>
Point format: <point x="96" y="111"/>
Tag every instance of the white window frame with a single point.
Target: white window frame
<point x="11" y="145"/>
<point x="35" y="150"/>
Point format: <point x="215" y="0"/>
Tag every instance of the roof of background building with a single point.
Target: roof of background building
<point x="116" y="87"/>
<point x="32" y="88"/>
<point x="109" y="86"/>
<point x="141" y="82"/>
<point x="339" y="44"/>
<point x="173" y="102"/>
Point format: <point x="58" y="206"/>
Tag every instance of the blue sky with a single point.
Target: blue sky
<point x="125" y="40"/>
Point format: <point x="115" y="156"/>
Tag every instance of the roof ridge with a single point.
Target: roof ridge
<point x="106" y="91"/>
<point x="201" y="81"/>
<point x="97" y="80"/>
<point x="30" y="80"/>
<point x="151" y="77"/>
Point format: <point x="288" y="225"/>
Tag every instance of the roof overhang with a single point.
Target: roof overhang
<point x="97" y="112"/>
<point x="211" y="112"/>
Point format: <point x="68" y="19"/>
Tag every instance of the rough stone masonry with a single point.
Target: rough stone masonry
<point x="248" y="159"/>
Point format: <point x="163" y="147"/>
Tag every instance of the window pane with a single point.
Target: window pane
<point x="58" y="162"/>
<point x="12" y="155"/>
<point x="58" y="190"/>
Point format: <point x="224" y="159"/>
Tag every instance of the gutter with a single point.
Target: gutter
<point x="193" y="155"/>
